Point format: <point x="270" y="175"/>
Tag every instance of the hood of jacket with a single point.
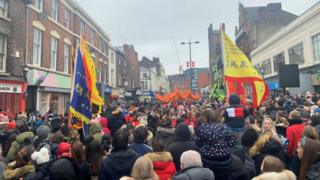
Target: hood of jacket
<point x="25" y="135"/>
<point x="295" y="121"/>
<point x="122" y="161"/>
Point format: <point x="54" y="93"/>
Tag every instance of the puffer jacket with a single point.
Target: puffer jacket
<point x="10" y="172"/>
<point x="194" y="172"/>
<point x="14" y="149"/>
<point x="162" y="164"/>
<point x="293" y="134"/>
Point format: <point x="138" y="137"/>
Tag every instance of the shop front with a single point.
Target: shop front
<point x="48" y="91"/>
<point x="12" y="96"/>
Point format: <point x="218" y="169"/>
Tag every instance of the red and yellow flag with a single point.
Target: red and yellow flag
<point x="240" y="74"/>
<point x="91" y="74"/>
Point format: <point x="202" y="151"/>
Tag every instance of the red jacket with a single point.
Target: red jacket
<point x="162" y="164"/>
<point x="294" y="134"/>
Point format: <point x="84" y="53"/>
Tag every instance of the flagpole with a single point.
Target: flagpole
<point x="73" y="52"/>
<point x="223" y="59"/>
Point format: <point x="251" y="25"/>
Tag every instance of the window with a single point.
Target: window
<point x="39" y="5"/>
<point x="67" y="19"/>
<point x="92" y="37"/>
<point x="66" y="57"/>
<point x="119" y="61"/>
<point x="144" y="85"/>
<point x="125" y="63"/>
<point x="266" y="65"/>
<point x="102" y="46"/>
<point x="3" y="50"/>
<point x="37" y="41"/>
<point x="54" y="9"/>
<point x="296" y="54"/>
<point x="54" y="47"/>
<point x="278" y="60"/>
<point x="100" y="73"/>
<point x="4" y="8"/>
<point x="257" y="67"/>
<point x="81" y="27"/>
<point x="316" y="47"/>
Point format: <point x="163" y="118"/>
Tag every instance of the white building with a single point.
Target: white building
<point x="112" y="67"/>
<point x="296" y="43"/>
<point x="152" y="76"/>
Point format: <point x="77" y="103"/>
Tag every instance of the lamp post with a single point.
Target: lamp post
<point x="190" y="59"/>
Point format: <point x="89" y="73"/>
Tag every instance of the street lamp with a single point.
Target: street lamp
<point x="190" y="59"/>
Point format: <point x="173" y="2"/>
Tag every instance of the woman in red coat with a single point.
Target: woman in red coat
<point x="162" y="161"/>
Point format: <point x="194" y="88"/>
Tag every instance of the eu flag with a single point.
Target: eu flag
<point x="80" y="106"/>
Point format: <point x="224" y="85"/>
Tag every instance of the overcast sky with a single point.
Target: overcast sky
<point x="156" y="27"/>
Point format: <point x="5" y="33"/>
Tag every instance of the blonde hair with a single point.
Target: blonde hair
<point x="258" y="145"/>
<point x="272" y="164"/>
<point x="273" y="131"/>
<point x="143" y="169"/>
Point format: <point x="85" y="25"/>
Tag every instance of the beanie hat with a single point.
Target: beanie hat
<point x="249" y="137"/>
<point x="182" y="132"/>
<point x="43" y="131"/>
<point x="64" y="150"/>
<point x="95" y="128"/>
<point x="41" y="157"/>
<point x="234" y="99"/>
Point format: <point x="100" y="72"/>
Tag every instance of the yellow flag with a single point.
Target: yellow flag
<point x="239" y="73"/>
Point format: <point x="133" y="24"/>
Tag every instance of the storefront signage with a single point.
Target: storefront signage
<point x="10" y="88"/>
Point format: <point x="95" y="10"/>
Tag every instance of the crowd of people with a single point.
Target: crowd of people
<point x="204" y="140"/>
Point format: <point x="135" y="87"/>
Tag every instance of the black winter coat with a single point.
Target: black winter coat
<point x="272" y="148"/>
<point x="230" y="169"/>
<point x="176" y="149"/>
<point x="42" y="172"/>
<point x="65" y="169"/>
<point x="118" y="164"/>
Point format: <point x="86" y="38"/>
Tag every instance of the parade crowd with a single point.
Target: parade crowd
<point x="203" y="140"/>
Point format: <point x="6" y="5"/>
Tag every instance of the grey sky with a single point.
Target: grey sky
<point x="153" y="26"/>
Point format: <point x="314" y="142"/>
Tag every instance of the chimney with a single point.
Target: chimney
<point x="222" y="27"/>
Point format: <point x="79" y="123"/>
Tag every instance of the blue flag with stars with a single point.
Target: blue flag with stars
<point x="80" y="106"/>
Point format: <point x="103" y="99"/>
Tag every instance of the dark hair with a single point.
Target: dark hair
<point x="94" y="154"/>
<point x="106" y="142"/>
<point x="8" y="144"/>
<point x="315" y="120"/>
<point x="24" y="158"/>
<point x="140" y="134"/>
<point x="23" y="128"/>
<point x="157" y="146"/>
<point x="120" y="140"/>
<point x="311" y="150"/>
<point x="272" y="164"/>
<point x="77" y="152"/>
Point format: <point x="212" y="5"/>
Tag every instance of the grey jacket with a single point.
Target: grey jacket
<point x="194" y="173"/>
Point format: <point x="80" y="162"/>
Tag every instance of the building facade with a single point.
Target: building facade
<point x="182" y="81"/>
<point x="152" y="76"/>
<point x="297" y="43"/>
<point x="45" y="34"/>
<point x="257" y="24"/>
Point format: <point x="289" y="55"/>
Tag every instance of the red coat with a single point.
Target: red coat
<point x="294" y="134"/>
<point x="162" y="164"/>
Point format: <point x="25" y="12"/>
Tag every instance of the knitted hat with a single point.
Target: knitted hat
<point x="249" y="137"/>
<point x="64" y="150"/>
<point x="182" y="132"/>
<point x="234" y="99"/>
<point x="42" y="156"/>
<point x="43" y="131"/>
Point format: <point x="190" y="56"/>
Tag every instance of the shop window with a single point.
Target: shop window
<point x="54" y="103"/>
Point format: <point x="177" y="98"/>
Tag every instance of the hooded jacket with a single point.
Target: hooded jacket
<point x="165" y="135"/>
<point x="231" y="168"/>
<point x="118" y="164"/>
<point x="182" y="143"/>
<point x="64" y="168"/>
<point x="194" y="172"/>
<point x="284" y="175"/>
<point x="293" y="134"/>
<point x="162" y="164"/>
<point x="95" y="131"/>
<point x="13" y="151"/>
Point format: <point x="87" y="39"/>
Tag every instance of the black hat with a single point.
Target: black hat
<point x="249" y="137"/>
<point x="234" y="99"/>
<point x="182" y="132"/>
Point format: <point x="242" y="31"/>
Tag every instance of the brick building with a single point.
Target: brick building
<point x="258" y="24"/>
<point x="121" y="73"/>
<point x="182" y="81"/>
<point x="44" y="46"/>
